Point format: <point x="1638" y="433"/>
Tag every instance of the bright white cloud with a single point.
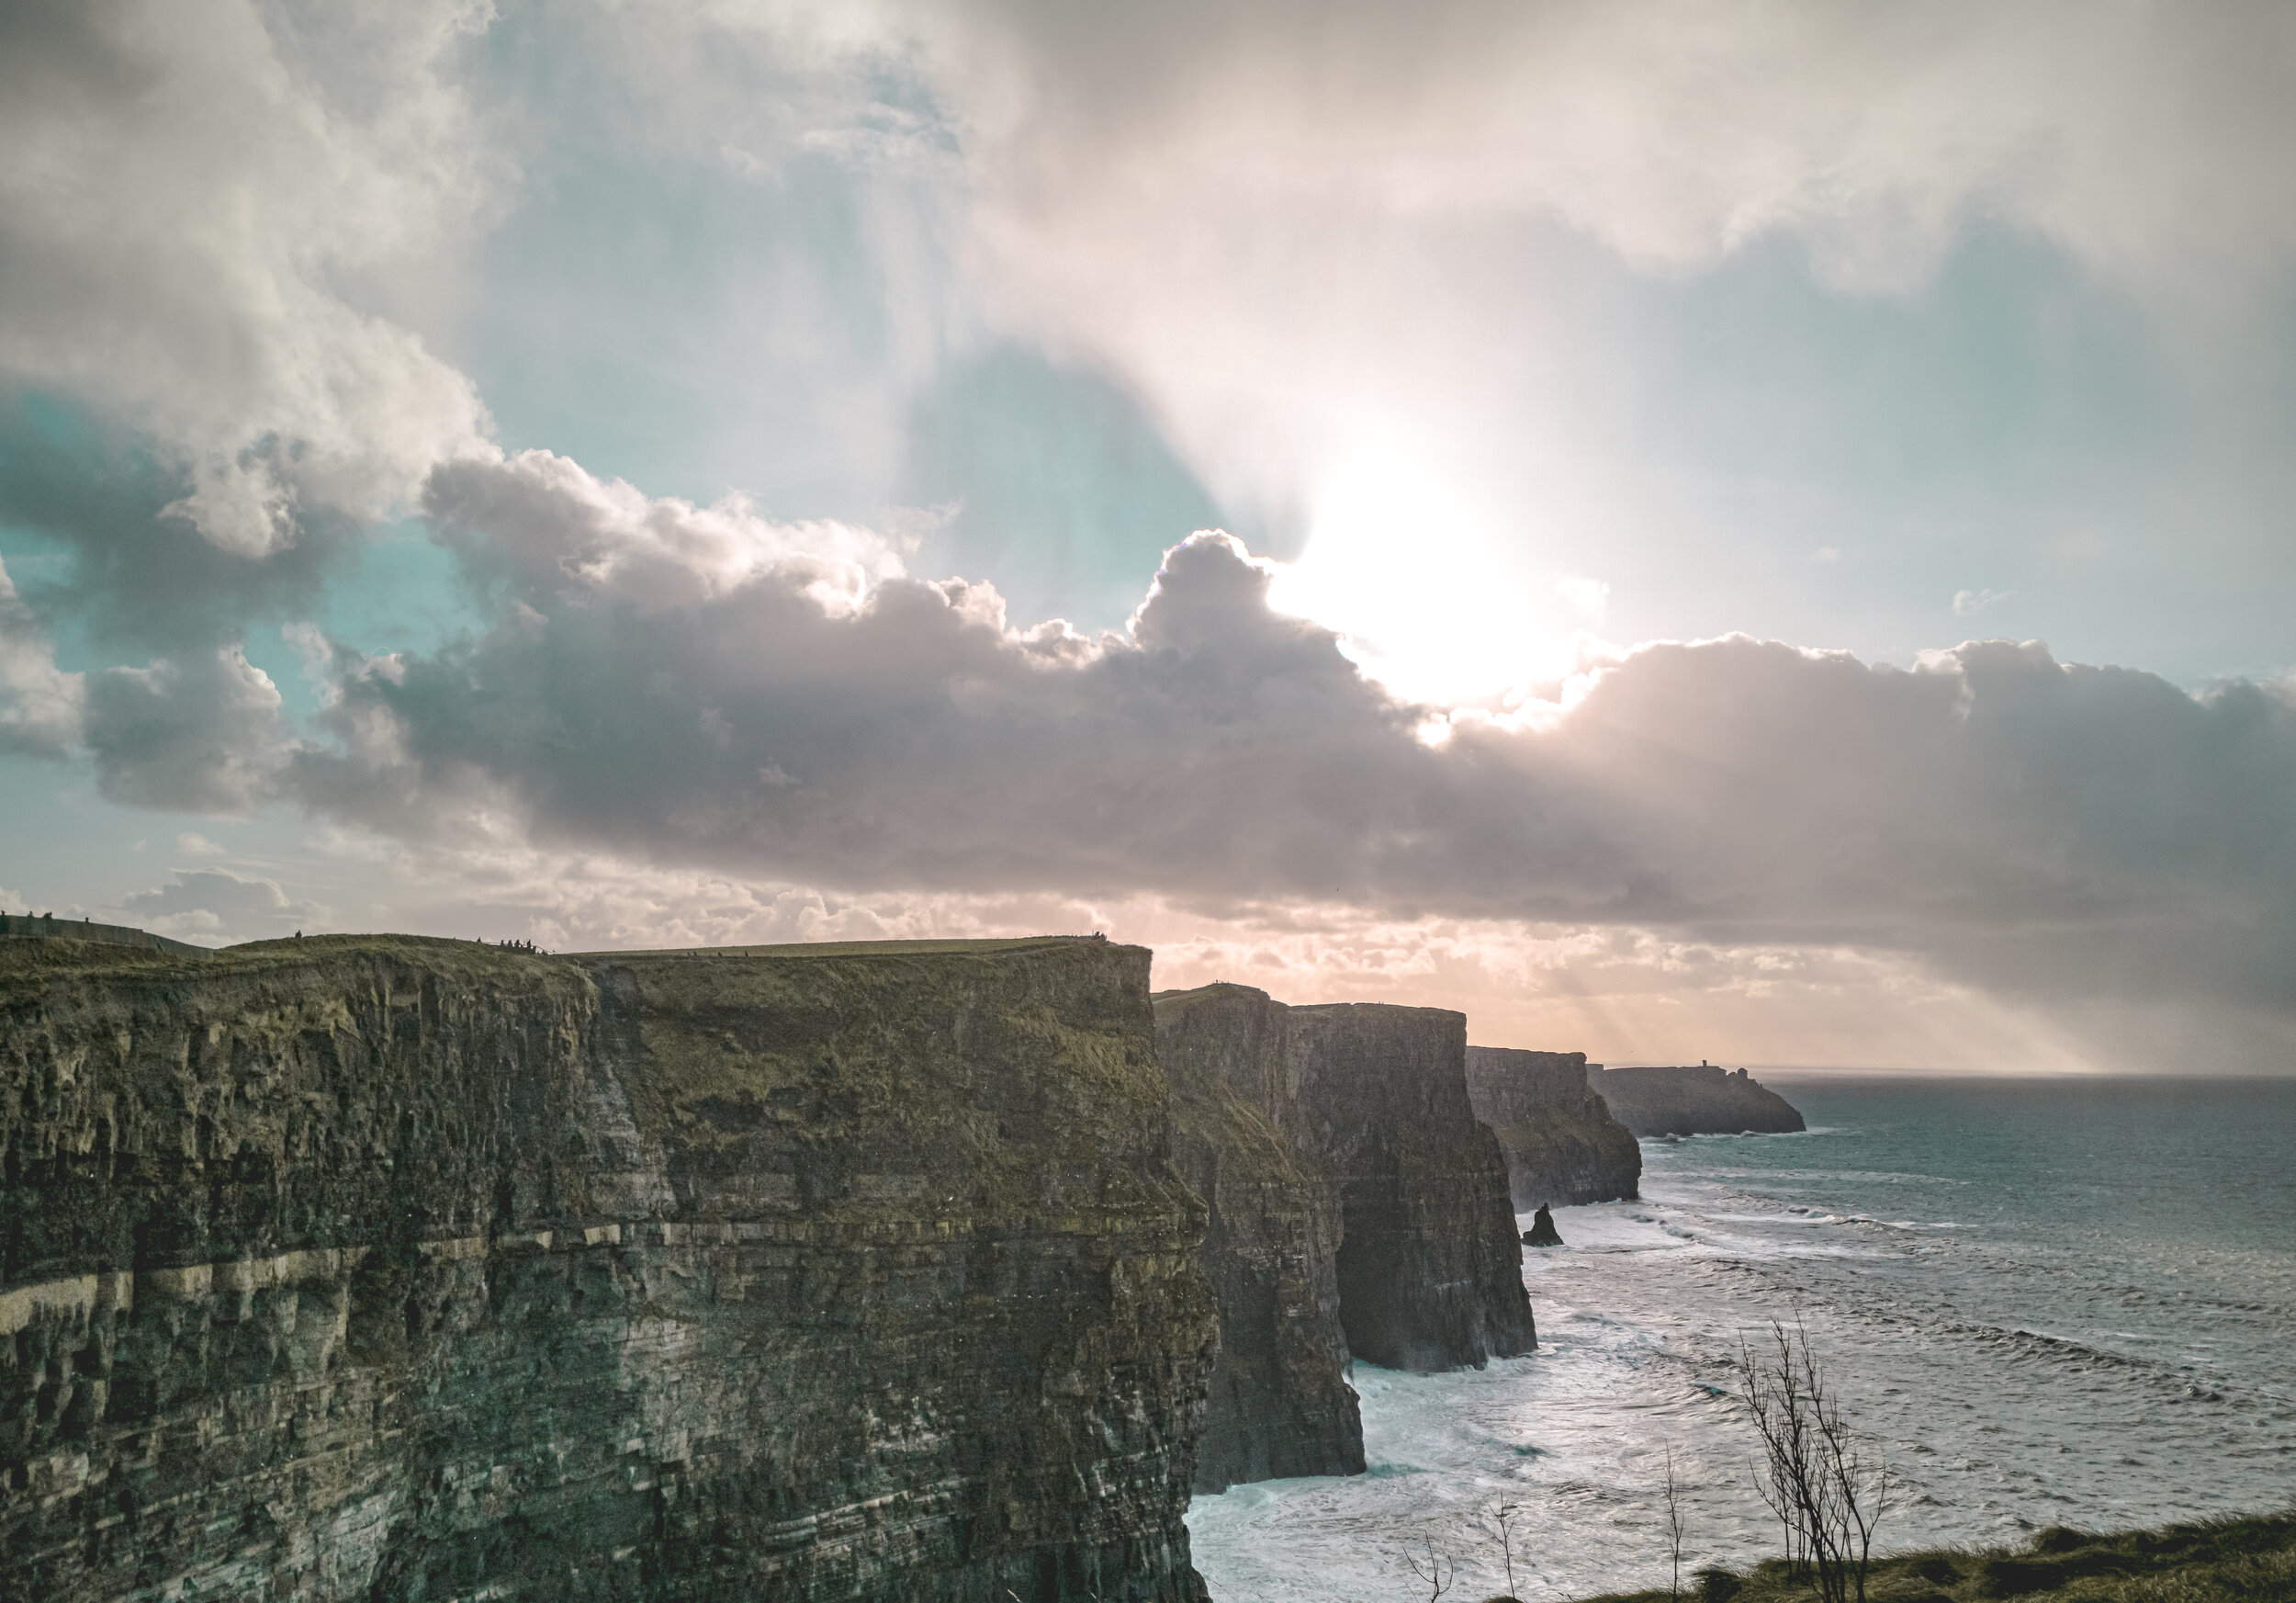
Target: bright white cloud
<point x="190" y="189"/>
<point x="40" y="704"/>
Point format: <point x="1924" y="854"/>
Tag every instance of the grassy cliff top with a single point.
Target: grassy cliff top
<point x="2240" y="1559"/>
<point x="851" y="948"/>
<point x="30" y="961"/>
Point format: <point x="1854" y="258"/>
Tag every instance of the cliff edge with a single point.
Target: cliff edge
<point x="1430" y="1264"/>
<point x="1372" y="1099"/>
<point x="1701" y="1099"/>
<point x="1561" y="1143"/>
<point x="390" y="1269"/>
<point x="1280" y="1403"/>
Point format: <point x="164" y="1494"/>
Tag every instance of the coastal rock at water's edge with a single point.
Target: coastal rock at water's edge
<point x="404" y="1269"/>
<point x="1542" y="1232"/>
<point x="1562" y="1145"/>
<point x="1698" y="1100"/>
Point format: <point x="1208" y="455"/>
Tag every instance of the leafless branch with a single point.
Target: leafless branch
<point x="1813" y="1476"/>
<point x="1436" y="1571"/>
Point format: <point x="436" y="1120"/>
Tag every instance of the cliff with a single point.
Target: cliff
<point x="1429" y="1265"/>
<point x="406" y="1270"/>
<point x="1372" y="1099"/>
<point x="1562" y="1144"/>
<point x="1702" y="1100"/>
<point x="1280" y="1403"/>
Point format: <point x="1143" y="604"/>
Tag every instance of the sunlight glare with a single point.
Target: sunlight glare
<point x="1433" y="598"/>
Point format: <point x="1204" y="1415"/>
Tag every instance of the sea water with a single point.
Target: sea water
<point x="2046" y="1301"/>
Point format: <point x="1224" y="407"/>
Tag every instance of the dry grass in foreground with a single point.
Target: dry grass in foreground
<point x="2250" y="1560"/>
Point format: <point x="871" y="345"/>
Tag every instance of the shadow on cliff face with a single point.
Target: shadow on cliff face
<point x="386" y="1268"/>
<point x="1352" y="1190"/>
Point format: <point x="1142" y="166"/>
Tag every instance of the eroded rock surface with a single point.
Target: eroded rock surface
<point x="1430" y="1265"/>
<point x="1699" y="1100"/>
<point x="1280" y="1402"/>
<point x="404" y="1269"/>
<point x="1562" y="1145"/>
<point x="1372" y="1099"/>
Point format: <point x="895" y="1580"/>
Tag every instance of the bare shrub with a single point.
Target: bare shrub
<point x="1435" y="1569"/>
<point x="1673" y="1527"/>
<point x="1502" y="1513"/>
<point x="1814" y="1476"/>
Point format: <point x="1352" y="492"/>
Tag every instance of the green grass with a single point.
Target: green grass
<point x="2242" y="1560"/>
<point x="847" y="948"/>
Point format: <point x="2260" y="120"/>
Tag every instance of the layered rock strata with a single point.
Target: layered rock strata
<point x="1562" y="1145"/>
<point x="402" y="1269"/>
<point x="1372" y="1099"/>
<point x="1699" y="1100"/>
<point x="1280" y="1403"/>
<point x="1429" y="1265"/>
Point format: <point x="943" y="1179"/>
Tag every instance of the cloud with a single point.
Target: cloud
<point x="40" y="704"/>
<point x="190" y="191"/>
<point x="203" y="734"/>
<point x="1672" y="132"/>
<point x="740" y="705"/>
<point x="213" y="903"/>
<point x="1969" y="603"/>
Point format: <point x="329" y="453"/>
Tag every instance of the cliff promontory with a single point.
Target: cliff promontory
<point x="1280" y="1402"/>
<point x="389" y="1269"/>
<point x="1430" y="1263"/>
<point x="1372" y="1099"/>
<point x="1701" y="1099"/>
<point x="1562" y="1146"/>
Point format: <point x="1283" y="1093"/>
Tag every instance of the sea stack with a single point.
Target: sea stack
<point x="1698" y="1100"/>
<point x="1561" y="1143"/>
<point x="1542" y="1232"/>
<point x="393" y="1269"/>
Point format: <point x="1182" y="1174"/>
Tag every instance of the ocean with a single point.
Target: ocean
<point x="2062" y="1302"/>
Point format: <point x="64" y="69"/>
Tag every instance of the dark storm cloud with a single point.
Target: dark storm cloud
<point x="680" y="690"/>
<point x="139" y="578"/>
<point x="203" y="734"/>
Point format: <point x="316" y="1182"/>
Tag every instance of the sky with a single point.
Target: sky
<point x="1685" y="529"/>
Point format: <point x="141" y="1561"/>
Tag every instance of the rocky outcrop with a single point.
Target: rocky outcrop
<point x="1372" y="1099"/>
<point x="1702" y="1100"/>
<point x="1430" y="1267"/>
<point x="1542" y="1232"/>
<point x="1562" y="1145"/>
<point x="405" y="1270"/>
<point x="1280" y="1403"/>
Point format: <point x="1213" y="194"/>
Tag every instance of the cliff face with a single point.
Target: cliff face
<point x="1701" y="1099"/>
<point x="1562" y="1146"/>
<point x="1280" y="1403"/>
<point x="400" y="1270"/>
<point x="1372" y="1100"/>
<point x="1430" y="1265"/>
